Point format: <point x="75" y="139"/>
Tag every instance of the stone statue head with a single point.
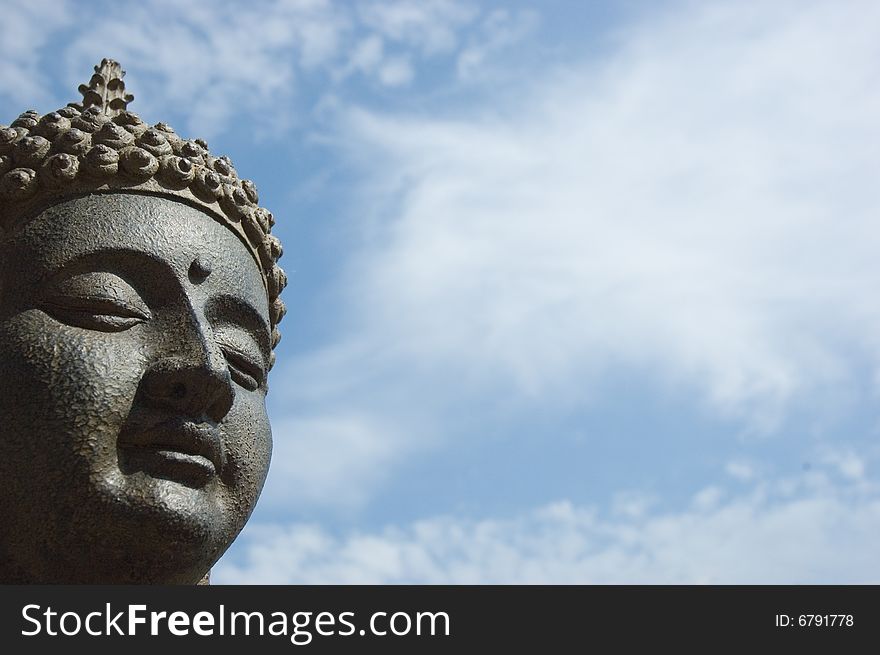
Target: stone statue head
<point x="139" y="299"/>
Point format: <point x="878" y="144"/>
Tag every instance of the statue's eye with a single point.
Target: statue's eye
<point x="95" y="301"/>
<point x="243" y="369"/>
<point x="242" y="355"/>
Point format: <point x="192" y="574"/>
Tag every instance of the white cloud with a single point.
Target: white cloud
<point x="367" y="54"/>
<point x="696" y="209"/>
<point x="631" y="504"/>
<point x="399" y="29"/>
<point x="430" y="25"/>
<point x="740" y="470"/>
<point x="699" y="206"/>
<point x="848" y="463"/>
<point x="500" y="29"/>
<point x="815" y="533"/>
<point x="329" y="461"/>
<point x="708" y="498"/>
<point x="396" y="72"/>
<point x="213" y="58"/>
<point x="25" y="28"/>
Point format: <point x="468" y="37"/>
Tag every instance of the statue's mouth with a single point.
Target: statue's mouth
<point x="177" y="449"/>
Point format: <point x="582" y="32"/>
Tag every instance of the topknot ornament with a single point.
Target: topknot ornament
<point x="98" y="146"/>
<point x="105" y="92"/>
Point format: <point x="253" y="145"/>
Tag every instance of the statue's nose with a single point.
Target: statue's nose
<point x="192" y="376"/>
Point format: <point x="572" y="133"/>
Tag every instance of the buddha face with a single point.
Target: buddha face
<point x="134" y="347"/>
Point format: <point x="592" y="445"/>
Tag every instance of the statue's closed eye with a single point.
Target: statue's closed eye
<point x="242" y="355"/>
<point x="244" y="369"/>
<point x="95" y="301"/>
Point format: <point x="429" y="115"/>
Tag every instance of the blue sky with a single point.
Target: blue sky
<point x="580" y="291"/>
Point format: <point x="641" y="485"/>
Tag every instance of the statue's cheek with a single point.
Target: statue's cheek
<point x="248" y="445"/>
<point x="72" y="386"/>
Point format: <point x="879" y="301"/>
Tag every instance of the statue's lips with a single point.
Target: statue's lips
<point x="177" y="447"/>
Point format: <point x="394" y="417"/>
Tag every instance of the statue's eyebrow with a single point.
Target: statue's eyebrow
<point x="124" y="262"/>
<point x="233" y="308"/>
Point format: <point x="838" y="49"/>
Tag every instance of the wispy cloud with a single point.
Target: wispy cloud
<point x="806" y="530"/>
<point x="500" y="29"/>
<point x="329" y="461"/>
<point x="431" y="26"/>
<point x="213" y="58"/>
<point x="696" y="209"/>
<point x="26" y="27"/>
<point x="214" y="61"/>
<point x="699" y="206"/>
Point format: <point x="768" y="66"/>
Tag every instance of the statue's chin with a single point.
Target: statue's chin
<point x="155" y="530"/>
<point x="146" y="531"/>
<point x="108" y="526"/>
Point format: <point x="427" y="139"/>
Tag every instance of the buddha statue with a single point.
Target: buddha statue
<point x="139" y="304"/>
